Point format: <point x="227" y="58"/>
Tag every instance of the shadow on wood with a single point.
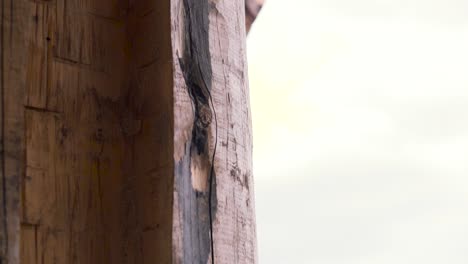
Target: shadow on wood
<point x="98" y="163"/>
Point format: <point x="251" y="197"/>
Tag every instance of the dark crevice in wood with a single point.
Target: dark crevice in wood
<point x="198" y="207"/>
<point x="41" y="110"/>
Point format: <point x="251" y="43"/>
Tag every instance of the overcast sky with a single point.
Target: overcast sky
<point x="360" y="116"/>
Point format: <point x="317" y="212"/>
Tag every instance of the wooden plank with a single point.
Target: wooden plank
<point x="99" y="181"/>
<point x="74" y="136"/>
<point x="98" y="110"/>
<point x="29" y="244"/>
<point x="149" y="138"/>
<point x="209" y="43"/>
<point x="15" y="29"/>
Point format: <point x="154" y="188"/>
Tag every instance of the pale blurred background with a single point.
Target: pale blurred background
<point x="360" y="117"/>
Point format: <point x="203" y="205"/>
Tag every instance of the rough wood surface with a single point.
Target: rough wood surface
<point x="102" y="159"/>
<point x="210" y="65"/>
<point x="98" y="180"/>
<point x="13" y="65"/>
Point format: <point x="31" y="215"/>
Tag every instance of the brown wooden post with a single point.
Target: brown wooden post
<point x="12" y="89"/>
<point x="113" y="115"/>
<point x="211" y="113"/>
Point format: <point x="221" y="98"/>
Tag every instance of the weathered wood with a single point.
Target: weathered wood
<point x="97" y="125"/>
<point x="99" y="176"/>
<point x="211" y="104"/>
<point x="12" y="79"/>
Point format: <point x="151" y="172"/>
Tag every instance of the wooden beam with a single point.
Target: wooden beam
<point x="12" y="89"/>
<point x="212" y="128"/>
<point x="116" y="116"/>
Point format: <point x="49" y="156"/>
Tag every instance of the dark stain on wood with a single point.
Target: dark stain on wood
<point x="197" y="70"/>
<point x="194" y="207"/>
<point x="196" y="66"/>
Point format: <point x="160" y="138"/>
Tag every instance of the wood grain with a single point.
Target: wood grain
<point x="98" y="182"/>
<point x="98" y="163"/>
<point x="223" y="72"/>
<point x="14" y="61"/>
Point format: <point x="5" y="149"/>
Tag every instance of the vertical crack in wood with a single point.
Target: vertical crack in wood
<point x="196" y="67"/>
<point x="199" y="206"/>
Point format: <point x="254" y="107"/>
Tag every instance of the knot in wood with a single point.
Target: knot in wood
<point x="204" y="116"/>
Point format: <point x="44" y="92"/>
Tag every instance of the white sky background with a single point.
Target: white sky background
<point x="360" y="116"/>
